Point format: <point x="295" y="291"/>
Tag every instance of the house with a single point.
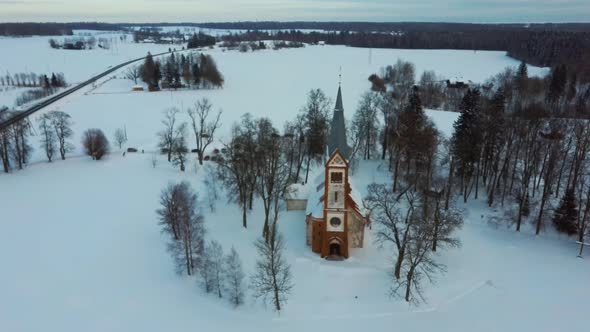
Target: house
<point x="334" y="218"/>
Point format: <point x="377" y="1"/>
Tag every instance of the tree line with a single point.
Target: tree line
<point x="197" y="71"/>
<point x="54" y="131"/>
<point x="33" y="80"/>
<point x="545" y="48"/>
<point x="520" y="142"/>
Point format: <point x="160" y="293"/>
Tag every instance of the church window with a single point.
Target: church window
<point x="335" y="222"/>
<point x="336" y="177"/>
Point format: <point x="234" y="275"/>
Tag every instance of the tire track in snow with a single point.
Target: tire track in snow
<point x="438" y="307"/>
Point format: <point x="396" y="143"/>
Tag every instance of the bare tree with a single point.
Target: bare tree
<point x="272" y="280"/>
<point x="48" y="139"/>
<point x="206" y="271"/>
<point x="168" y="135"/>
<point x="214" y="253"/>
<point x="120" y="137"/>
<point x="179" y="148"/>
<point x="419" y="263"/>
<point x="21" y="149"/>
<point x="548" y="181"/>
<point x="236" y="165"/>
<point x="62" y="124"/>
<point x="5" y="141"/>
<point x="180" y="217"/>
<point x="366" y="125"/>
<point x="234" y="277"/>
<point x="154" y="160"/>
<point x="393" y="225"/>
<point x="583" y="223"/>
<point x="133" y="73"/>
<point x="272" y="170"/>
<point x="203" y="126"/>
<point x="210" y="182"/>
<point x="95" y="143"/>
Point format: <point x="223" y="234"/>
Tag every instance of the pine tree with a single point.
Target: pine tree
<point x="466" y="140"/>
<point x="557" y="84"/>
<point x="566" y="216"/>
<point x="148" y="71"/>
<point x="522" y="77"/>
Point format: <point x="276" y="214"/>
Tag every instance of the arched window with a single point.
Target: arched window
<point x="336" y="177"/>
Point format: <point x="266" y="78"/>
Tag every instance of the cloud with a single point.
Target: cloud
<point x="290" y="10"/>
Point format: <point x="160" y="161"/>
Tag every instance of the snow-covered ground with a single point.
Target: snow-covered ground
<point x="81" y="250"/>
<point x="263" y="83"/>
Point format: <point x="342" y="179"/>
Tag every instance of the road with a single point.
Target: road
<point x="39" y="106"/>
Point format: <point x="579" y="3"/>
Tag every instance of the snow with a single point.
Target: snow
<point x="81" y="253"/>
<point x="81" y="249"/>
<point x="284" y="77"/>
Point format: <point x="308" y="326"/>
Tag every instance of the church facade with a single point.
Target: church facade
<point x="335" y="222"/>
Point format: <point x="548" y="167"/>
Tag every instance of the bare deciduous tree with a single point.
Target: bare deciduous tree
<point x="133" y="73"/>
<point x="214" y="258"/>
<point x="393" y="224"/>
<point x="168" y="135"/>
<point x="272" y="280"/>
<point x="120" y="137"/>
<point x="48" y="138"/>
<point x="418" y="264"/>
<point x="179" y="148"/>
<point x="234" y="277"/>
<point x="180" y="217"/>
<point x="236" y="165"/>
<point x="5" y="142"/>
<point x="203" y="126"/>
<point x="62" y="124"/>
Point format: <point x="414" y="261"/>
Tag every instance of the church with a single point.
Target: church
<point x="335" y="220"/>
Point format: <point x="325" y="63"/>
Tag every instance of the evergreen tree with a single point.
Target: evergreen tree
<point x="522" y="77"/>
<point x="566" y="216"/>
<point x="466" y="140"/>
<point x="557" y="84"/>
<point x="148" y="71"/>
<point x="54" y="81"/>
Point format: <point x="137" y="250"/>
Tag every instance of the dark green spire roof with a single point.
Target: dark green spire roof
<point x="339" y="105"/>
<point x="337" y="139"/>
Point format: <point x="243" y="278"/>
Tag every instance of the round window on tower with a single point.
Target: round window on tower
<point x="335" y="222"/>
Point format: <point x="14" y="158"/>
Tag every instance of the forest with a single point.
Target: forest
<point x="544" y="48"/>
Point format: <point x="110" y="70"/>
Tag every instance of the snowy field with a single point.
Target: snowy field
<point x="81" y="249"/>
<point x="264" y="83"/>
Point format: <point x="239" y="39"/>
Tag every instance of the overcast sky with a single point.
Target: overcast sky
<point x="486" y="11"/>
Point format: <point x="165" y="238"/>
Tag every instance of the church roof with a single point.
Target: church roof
<point x="337" y="139"/>
<point x="339" y="104"/>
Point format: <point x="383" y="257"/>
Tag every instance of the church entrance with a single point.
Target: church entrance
<point x="335" y="249"/>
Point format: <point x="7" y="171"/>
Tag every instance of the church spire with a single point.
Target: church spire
<point x="339" y="105"/>
<point x="337" y="138"/>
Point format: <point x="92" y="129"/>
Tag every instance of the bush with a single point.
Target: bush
<point x="95" y="143"/>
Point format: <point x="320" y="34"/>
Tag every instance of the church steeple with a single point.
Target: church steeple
<point x="339" y="105"/>
<point x="337" y="138"/>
